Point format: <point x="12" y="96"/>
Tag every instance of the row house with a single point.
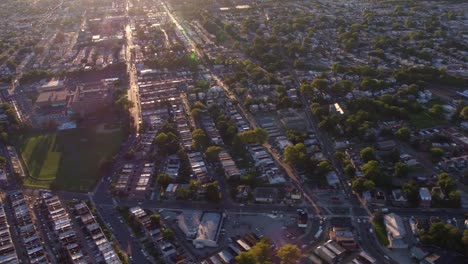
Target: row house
<point x="30" y="238"/>
<point x="60" y="223"/>
<point x="106" y="253"/>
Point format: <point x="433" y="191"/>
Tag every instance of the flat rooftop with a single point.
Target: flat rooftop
<point x="209" y="225"/>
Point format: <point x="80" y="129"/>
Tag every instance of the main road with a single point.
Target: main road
<point x="133" y="93"/>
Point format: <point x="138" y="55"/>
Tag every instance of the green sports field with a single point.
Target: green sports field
<point x="68" y="159"/>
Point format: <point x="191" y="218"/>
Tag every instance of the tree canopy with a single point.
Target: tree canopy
<point x="445" y="236"/>
<point x="294" y="154"/>
<point x="167" y="143"/>
<point x="289" y="254"/>
<point x="259" y="253"/>
<point x="163" y="180"/>
<point x="257" y="135"/>
<point x="367" y="154"/>
<point x="199" y="139"/>
<point x="212" y="192"/>
<point x="212" y="152"/>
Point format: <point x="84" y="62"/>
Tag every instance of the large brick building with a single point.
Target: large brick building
<point x="92" y="97"/>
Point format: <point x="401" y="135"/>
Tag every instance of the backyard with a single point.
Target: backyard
<point x="68" y="160"/>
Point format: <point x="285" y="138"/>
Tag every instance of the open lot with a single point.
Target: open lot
<point x="70" y="159"/>
<point x="424" y="120"/>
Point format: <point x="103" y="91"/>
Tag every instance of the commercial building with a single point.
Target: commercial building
<point x="363" y="258"/>
<point x="91" y="97"/>
<point x="188" y="222"/>
<point x="329" y="251"/>
<point x="396" y="231"/>
<point x="51" y="85"/>
<point x="208" y="230"/>
<point x="344" y="237"/>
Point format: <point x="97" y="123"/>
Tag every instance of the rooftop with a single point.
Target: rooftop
<point x="209" y="226"/>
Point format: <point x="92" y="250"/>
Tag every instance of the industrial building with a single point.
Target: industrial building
<point x="396" y="231"/>
<point x="208" y="230"/>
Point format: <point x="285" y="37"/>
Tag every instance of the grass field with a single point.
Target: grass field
<point x="69" y="158"/>
<point x="381" y="232"/>
<point x="424" y="120"/>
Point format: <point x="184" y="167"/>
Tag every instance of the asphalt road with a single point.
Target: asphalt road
<point x="122" y="234"/>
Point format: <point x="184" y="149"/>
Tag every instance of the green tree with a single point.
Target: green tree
<point x="307" y="89"/>
<point x="155" y="220"/>
<point x="295" y="136"/>
<point x="212" y="153"/>
<point x="436" y="153"/>
<point x="324" y="167"/>
<point x="194" y="185"/>
<point x="161" y="139"/>
<point x="465" y="239"/>
<point x="367" y="154"/>
<point x="257" y="135"/>
<point x="289" y="254"/>
<point x="294" y="154"/>
<point x="196" y="113"/>
<point x="464" y="113"/>
<point x="163" y="180"/>
<point x="246" y="258"/>
<point x="124" y="104"/>
<point x="167" y="143"/>
<point x="361" y="184"/>
<point x="258" y="254"/>
<point x="437" y="111"/>
<point x="403" y="134"/>
<point x="317" y="110"/>
<point x="212" y="192"/>
<point x="4" y="137"/>
<point x="443" y="235"/>
<point x="372" y="170"/>
<point x="446" y="183"/>
<point x="168" y="234"/>
<point x="350" y="170"/>
<point x="340" y="156"/>
<point x="320" y="84"/>
<point x="369" y="84"/>
<point x="454" y="199"/>
<point x="199" y="139"/>
<point x="400" y="169"/>
<point x="411" y="190"/>
<point x="183" y="193"/>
